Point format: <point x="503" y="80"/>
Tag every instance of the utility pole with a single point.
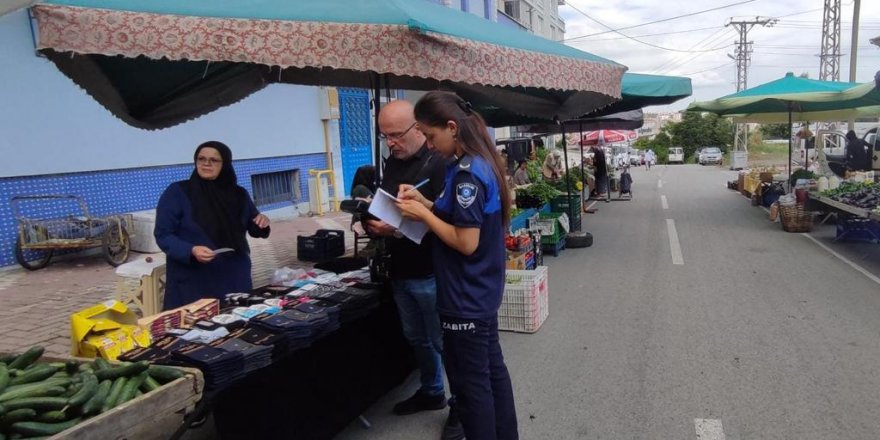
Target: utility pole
<point x="855" y="49"/>
<point x="829" y="58"/>
<point x="743" y="57"/>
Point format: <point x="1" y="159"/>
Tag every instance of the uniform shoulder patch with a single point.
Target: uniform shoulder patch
<point x="466" y="193"/>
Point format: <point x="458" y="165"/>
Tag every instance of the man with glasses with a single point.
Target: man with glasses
<point x="411" y="268"/>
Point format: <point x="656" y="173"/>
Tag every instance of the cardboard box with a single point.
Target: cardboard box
<point x="516" y="260"/>
<point x="107" y="330"/>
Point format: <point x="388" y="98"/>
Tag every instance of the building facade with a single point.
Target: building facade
<point x="55" y="139"/>
<point x="540" y="17"/>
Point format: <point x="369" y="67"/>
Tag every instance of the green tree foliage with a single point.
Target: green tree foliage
<point x="774" y="131"/>
<point x="696" y="130"/>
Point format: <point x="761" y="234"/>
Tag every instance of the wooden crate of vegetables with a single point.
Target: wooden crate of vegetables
<point x="81" y="399"/>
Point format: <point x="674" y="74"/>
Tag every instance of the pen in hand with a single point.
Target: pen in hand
<point x="418" y="185"/>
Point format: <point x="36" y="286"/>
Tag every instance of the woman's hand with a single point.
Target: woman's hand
<point x="413" y="209"/>
<point x="202" y="254"/>
<point x="261" y="221"/>
<point x="408" y="192"/>
<point x="380" y="228"/>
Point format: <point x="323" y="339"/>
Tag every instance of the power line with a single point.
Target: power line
<point x="681" y="59"/>
<point x="634" y="39"/>
<point x="650" y="22"/>
<point x="707" y="70"/>
<point x="657" y="34"/>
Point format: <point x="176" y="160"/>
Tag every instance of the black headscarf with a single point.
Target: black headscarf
<point x="218" y="204"/>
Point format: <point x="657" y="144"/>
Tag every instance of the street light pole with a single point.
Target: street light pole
<point x="855" y="48"/>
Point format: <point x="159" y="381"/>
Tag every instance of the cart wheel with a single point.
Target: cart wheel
<point x="31" y="259"/>
<point x="116" y="245"/>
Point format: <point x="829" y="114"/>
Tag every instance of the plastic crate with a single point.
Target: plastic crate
<point x="560" y="203"/>
<point x="525" y="305"/>
<point x="325" y="245"/>
<point x="553" y="248"/>
<point x="521" y="220"/>
<point x="548" y="223"/>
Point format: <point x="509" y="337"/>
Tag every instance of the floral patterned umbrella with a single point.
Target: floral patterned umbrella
<point x="157" y="63"/>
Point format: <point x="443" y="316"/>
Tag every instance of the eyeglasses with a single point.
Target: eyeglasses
<point x="397" y="136"/>
<point x="208" y="161"/>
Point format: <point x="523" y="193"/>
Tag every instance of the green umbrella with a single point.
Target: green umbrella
<point x="501" y="109"/>
<point x="796" y="99"/>
<point x="156" y="63"/>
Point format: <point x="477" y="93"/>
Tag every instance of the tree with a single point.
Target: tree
<point x="774" y="131"/>
<point x="696" y="130"/>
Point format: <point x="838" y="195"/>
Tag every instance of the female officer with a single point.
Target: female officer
<point x="469" y="219"/>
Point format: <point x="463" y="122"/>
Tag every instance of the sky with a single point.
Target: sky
<point x="697" y="46"/>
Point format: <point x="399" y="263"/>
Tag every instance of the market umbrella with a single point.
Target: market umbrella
<point x="158" y="63"/>
<point x="796" y="99"/>
<point x="602" y="137"/>
<point x="629" y="120"/>
<point x="637" y="91"/>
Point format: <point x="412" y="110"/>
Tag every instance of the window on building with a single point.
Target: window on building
<point x="276" y="187"/>
<point x="511" y="8"/>
<point x="487" y="9"/>
<point x="465" y="6"/>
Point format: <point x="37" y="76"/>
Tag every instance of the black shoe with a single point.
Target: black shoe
<point x="452" y="429"/>
<point x="420" y="402"/>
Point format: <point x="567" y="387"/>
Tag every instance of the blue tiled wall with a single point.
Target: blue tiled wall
<point x="127" y="190"/>
<point x="354" y="130"/>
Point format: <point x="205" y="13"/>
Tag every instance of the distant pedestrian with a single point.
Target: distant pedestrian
<point x="650" y="159"/>
<point x="856" y="153"/>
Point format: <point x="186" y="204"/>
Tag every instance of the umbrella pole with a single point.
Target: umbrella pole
<point x="584" y="185"/>
<point x="789" y="148"/>
<point x="567" y="180"/>
<point x="377" y="157"/>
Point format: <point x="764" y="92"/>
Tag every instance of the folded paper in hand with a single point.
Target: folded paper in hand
<point x="384" y="207"/>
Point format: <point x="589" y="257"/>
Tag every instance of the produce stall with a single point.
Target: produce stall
<point x="857" y="205"/>
<point x="79" y="399"/>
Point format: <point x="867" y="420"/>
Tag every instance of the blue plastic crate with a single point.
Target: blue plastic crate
<point x="553" y="249"/>
<point x="521" y="220"/>
<point x="858" y="229"/>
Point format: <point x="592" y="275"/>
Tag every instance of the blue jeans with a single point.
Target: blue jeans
<point x="482" y="394"/>
<point x="417" y="304"/>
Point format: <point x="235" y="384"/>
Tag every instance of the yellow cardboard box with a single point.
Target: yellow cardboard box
<point x="107" y="330"/>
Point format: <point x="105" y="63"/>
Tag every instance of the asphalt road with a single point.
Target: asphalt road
<point x="748" y="333"/>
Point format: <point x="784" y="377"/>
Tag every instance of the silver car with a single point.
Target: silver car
<point x="711" y="155"/>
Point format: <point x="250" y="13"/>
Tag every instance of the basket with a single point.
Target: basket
<point x="525" y="305"/>
<point x="794" y="219"/>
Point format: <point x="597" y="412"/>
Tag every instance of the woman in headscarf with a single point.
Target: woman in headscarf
<point x="201" y="225"/>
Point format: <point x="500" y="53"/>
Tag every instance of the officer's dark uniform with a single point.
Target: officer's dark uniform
<point x="469" y="292"/>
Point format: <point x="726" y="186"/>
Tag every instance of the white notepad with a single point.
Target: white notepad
<point x="384" y="206"/>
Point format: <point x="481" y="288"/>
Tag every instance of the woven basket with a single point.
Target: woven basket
<point x="794" y="219"/>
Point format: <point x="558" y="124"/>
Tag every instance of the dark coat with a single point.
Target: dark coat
<point x="177" y="232"/>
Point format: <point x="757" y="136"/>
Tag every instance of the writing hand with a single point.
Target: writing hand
<point x="413" y="210"/>
<point x="409" y="192"/>
<point x="202" y="254"/>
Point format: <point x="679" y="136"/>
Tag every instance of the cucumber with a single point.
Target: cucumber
<point x="115" y="390"/>
<point x="2" y="410"/>
<point x="123" y="371"/>
<point x="18" y="415"/>
<point x="88" y="389"/>
<point x="71" y="367"/>
<point x="164" y="374"/>
<point x="149" y="384"/>
<point x="53" y="417"/>
<point x="4" y="377"/>
<point x="36" y="374"/>
<point x="27" y="358"/>
<point x="102" y="364"/>
<point x="71" y="390"/>
<point x="37" y="403"/>
<point x="44" y="429"/>
<point x="7" y="358"/>
<point x="131" y="388"/>
<point x="46" y="388"/>
<point x="93" y="406"/>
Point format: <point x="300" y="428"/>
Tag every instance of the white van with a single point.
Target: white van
<point x="676" y="155"/>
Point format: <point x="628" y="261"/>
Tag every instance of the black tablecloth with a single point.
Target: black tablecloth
<point x="316" y="392"/>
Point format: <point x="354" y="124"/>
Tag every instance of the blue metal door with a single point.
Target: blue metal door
<point x="354" y="132"/>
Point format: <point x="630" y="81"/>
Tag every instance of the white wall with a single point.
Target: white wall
<point x="49" y="125"/>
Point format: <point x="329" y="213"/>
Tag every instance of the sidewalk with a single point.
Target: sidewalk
<point x="35" y="307"/>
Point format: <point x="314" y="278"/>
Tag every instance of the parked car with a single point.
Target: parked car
<point x="634" y="157"/>
<point x="711" y="155"/>
<point x="676" y="155"/>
